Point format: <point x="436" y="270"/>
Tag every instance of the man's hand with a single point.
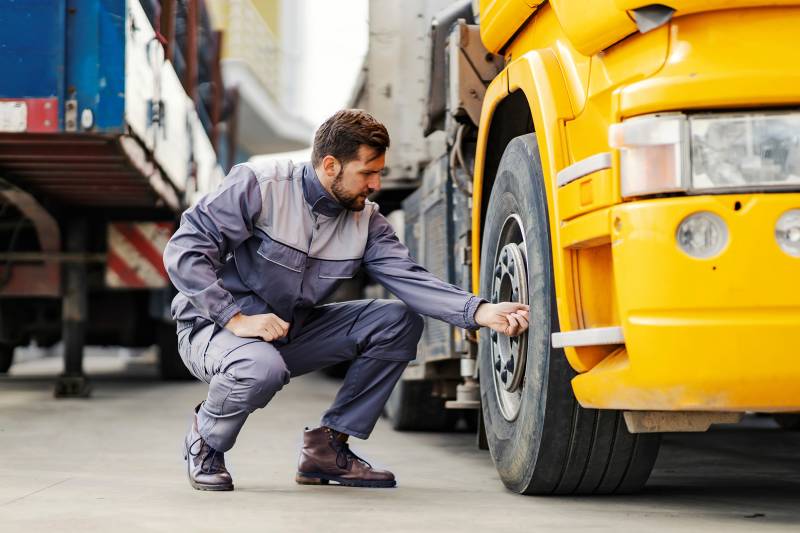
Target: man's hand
<point x="268" y="327"/>
<point x="508" y="318"/>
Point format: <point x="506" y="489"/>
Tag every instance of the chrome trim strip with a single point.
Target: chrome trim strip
<point x="588" y="337"/>
<point x="583" y="168"/>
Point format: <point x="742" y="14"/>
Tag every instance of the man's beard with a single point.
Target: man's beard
<point x="352" y="202"/>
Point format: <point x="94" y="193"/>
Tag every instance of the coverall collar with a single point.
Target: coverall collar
<point x="317" y="197"/>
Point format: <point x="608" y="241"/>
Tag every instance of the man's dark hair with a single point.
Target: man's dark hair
<point x="343" y="133"/>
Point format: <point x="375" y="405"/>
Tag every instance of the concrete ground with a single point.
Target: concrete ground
<point x="113" y="463"/>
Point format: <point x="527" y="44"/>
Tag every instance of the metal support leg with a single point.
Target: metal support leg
<point x="468" y="393"/>
<point x="73" y="383"/>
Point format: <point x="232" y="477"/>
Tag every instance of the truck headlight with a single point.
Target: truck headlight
<point x="707" y="153"/>
<point x="787" y="232"/>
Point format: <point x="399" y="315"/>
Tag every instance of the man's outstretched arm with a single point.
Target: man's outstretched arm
<point x="387" y="260"/>
<point x="211" y="229"/>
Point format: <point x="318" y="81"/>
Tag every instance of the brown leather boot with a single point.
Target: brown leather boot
<point x="325" y="458"/>
<point x="204" y="465"/>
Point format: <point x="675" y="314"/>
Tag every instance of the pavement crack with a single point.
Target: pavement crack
<point x="37" y="491"/>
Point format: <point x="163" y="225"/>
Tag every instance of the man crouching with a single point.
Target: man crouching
<point x="253" y="260"/>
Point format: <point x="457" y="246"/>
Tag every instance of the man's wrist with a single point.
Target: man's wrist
<point x="473" y="305"/>
<point x="479" y="315"/>
<point x="227" y="314"/>
<point x="232" y="320"/>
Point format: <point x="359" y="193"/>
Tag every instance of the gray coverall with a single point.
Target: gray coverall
<point x="271" y="239"/>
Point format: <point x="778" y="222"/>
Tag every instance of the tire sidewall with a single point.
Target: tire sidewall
<point x="519" y="189"/>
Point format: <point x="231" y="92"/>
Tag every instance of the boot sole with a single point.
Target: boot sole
<point x="195" y="484"/>
<point x="318" y="478"/>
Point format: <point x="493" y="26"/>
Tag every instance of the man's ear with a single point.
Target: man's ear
<point x="331" y="165"/>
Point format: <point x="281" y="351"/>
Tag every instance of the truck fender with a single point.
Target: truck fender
<point x="537" y="76"/>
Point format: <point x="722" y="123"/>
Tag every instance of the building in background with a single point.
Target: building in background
<point x="260" y="62"/>
<point x="322" y="46"/>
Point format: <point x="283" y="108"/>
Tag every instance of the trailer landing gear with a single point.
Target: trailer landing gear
<point x="73" y="383"/>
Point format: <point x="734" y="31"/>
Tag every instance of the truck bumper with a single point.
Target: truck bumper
<point x="702" y="334"/>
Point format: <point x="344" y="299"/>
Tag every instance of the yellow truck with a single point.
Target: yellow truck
<point x="636" y="180"/>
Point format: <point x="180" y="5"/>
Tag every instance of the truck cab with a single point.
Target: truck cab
<point x="632" y="171"/>
<point x="636" y="179"/>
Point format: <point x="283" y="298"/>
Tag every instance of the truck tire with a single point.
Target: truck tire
<point x="788" y="421"/>
<point x="411" y="407"/>
<point x="6" y="357"/>
<point x="541" y="440"/>
<point x="170" y="365"/>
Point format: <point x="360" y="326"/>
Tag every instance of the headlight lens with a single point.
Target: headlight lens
<point x="787" y="232"/>
<point x="745" y="150"/>
<point x="702" y="235"/>
<point x="708" y="152"/>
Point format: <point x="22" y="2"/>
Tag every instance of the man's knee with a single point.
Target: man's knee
<point x="398" y="315"/>
<point x="399" y="332"/>
<point x="260" y="371"/>
<point x="271" y="373"/>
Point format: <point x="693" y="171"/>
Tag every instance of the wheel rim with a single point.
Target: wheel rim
<point x="509" y="284"/>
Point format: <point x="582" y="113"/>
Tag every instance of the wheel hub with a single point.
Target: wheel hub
<point x="509" y="285"/>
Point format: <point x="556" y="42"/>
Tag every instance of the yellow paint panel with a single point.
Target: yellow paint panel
<point x="686" y="7"/>
<point x="595" y="282"/>
<point x="544" y="32"/>
<point x="587" y="230"/>
<point x="751" y="272"/>
<point x="500" y="20"/>
<point x="715" y="334"/>
<point x="731" y="58"/>
<point x="593" y="26"/>
<point x="586" y="194"/>
<point x="596" y="308"/>
<point x="638" y="57"/>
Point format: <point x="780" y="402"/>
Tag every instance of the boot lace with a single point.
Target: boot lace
<point x="344" y="455"/>
<point x="209" y="463"/>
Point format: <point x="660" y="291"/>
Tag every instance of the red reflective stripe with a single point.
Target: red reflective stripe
<point x="42" y="114"/>
<point x="143" y="246"/>
<point x="128" y="276"/>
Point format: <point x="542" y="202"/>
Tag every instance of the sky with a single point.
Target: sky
<point x="336" y="42"/>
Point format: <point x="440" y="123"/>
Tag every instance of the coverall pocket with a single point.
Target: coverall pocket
<point x="193" y="347"/>
<point x="212" y="359"/>
<point x="272" y="271"/>
<point x="344" y="269"/>
<point x="281" y="255"/>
